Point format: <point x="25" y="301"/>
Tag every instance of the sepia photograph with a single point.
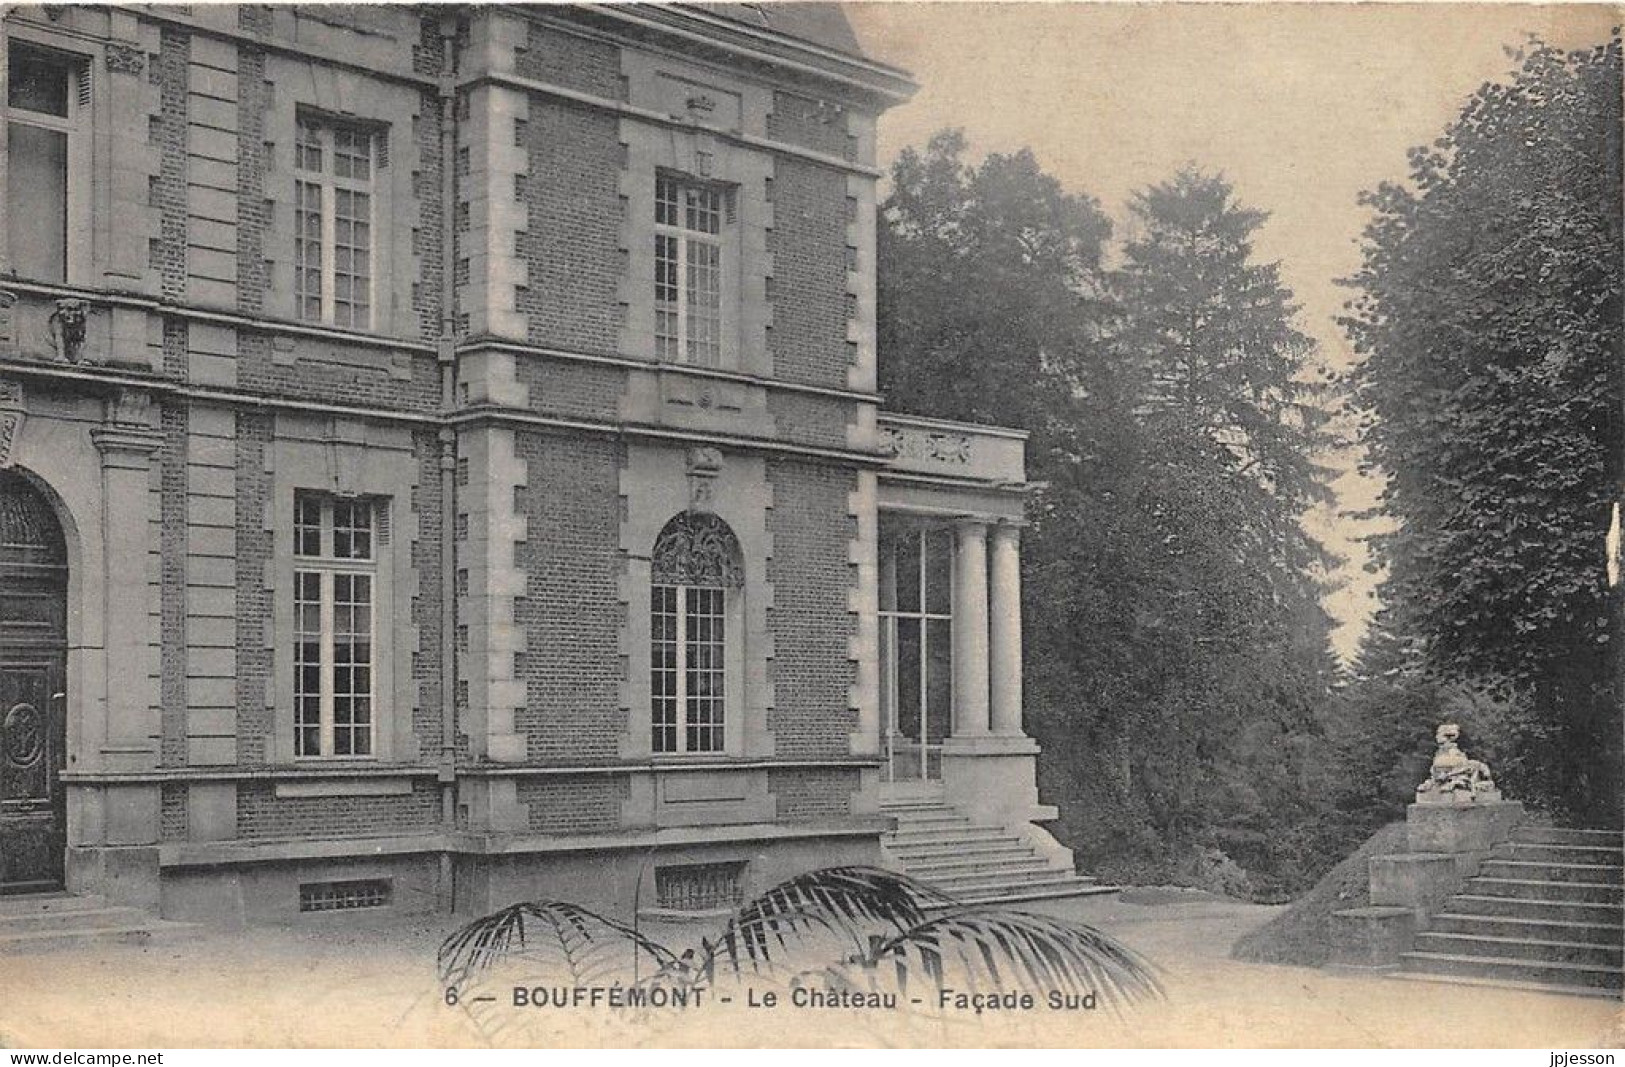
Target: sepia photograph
<point x="862" y="525"/>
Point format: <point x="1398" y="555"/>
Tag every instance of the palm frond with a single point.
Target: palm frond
<point x="851" y="903"/>
<point x="550" y="938"/>
<point x="983" y="950"/>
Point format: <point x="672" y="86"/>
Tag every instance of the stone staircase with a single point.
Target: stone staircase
<point x="976" y="864"/>
<point x="1544" y="911"/>
<point x="43" y="922"/>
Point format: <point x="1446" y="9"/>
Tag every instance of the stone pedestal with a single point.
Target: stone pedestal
<point x="1466" y="831"/>
<point x="993" y="779"/>
<point x="1372" y="938"/>
<point x="1448" y="839"/>
<point x="1419" y="881"/>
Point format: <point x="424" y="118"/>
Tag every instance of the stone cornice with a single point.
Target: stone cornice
<point x="692" y="27"/>
<point x="514" y="81"/>
<point x="493" y="344"/>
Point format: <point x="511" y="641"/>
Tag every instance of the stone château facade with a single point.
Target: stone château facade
<point x="441" y="464"/>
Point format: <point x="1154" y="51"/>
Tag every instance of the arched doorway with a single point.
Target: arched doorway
<point x="33" y="650"/>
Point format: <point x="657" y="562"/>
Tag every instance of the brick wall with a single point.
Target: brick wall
<point x="808" y="123"/>
<point x="810" y="419"/>
<point x="427" y="237"/>
<point x="337" y="374"/>
<point x="167" y="131"/>
<point x="254" y="600"/>
<point x="578" y="63"/>
<point x="811" y="671"/>
<point x="571" y="298"/>
<point x="254" y="19"/>
<point x="172" y="588"/>
<point x="253" y="213"/>
<point x="580" y="390"/>
<point x="428" y="505"/>
<point x="262" y="814"/>
<point x="808" y="244"/>
<point x="571" y="613"/>
<point x="808" y="794"/>
<point x="574" y="805"/>
<point x="172" y="820"/>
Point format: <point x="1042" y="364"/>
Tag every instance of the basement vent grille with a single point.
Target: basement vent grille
<point x="344" y="896"/>
<point x="700" y="886"/>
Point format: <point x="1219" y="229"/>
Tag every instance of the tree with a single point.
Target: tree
<point x="1176" y="645"/>
<point x="988" y="281"/>
<point x="1488" y="314"/>
<point x="1226" y="598"/>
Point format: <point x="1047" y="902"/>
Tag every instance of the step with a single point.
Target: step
<point x="1601" y="954"/>
<point x="1552" y="973"/>
<point x="87" y="918"/>
<point x="1500" y="983"/>
<point x="1541" y="889"/>
<point x="948" y="868"/>
<point x="1452" y="922"/>
<point x="968" y="835"/>
<point x="966" y="883"/>
<point x="1594" y="873"/>
<point x="1597" y="855"/>
<point x="1470" y="904"/>
<point x="34" y="903"/>
<point x="929" y="849"/>
<point x="1557" y="835"/>
<point x="891" y="807"/>
<point x="921" y="822"/>
<point x="1082" y="887"/>
<point x="147" y="932"/>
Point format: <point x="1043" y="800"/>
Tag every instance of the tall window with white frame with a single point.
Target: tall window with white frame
<point x="334" y="651"/>
<point x="47" y="172"/>
<point x="335" y="164"/>
<point x="690" y="218"/>
<point x="696" y="572"/>
<point x="916" y="635"/>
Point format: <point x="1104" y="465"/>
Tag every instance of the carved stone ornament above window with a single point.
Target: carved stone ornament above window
<point x="11" y="419"/>
<point x="697" y="549"/>
<point x="914" y="444"/>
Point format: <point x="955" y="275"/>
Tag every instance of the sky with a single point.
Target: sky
<point x="1301" y="105"/>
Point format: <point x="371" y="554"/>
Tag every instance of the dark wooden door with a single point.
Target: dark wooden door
<point x="33" y="821"/>
<point x="33" y="730"/>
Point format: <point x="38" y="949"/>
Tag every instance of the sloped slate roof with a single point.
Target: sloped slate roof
<point x="824" y="25"/>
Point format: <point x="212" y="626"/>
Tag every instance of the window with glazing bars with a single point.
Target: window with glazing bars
<point x="47" y="110"/>
<point x="695" y="567"/>
<point x="334" y="167"/>
<point x="335" y="572"/>
<point x="689" y="668"/>
<point x="689" y="220"/>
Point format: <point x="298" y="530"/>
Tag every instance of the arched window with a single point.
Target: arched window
<point x="695" y="567"/>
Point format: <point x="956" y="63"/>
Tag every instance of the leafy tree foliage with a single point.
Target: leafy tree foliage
<point x="1177" y="651"/>
<point x="1488" y="312"/>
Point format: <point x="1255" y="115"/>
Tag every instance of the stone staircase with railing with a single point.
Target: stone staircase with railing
<point x="976" y="863"/>
<point x="41" y="922"/>
<point x="1544" y="911"/>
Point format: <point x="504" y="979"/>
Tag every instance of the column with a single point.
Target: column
<point x="1004" y="598"/>
<point x="888" y="663"/>
<point x="127" y="442"/>
<point x="970" y="631"/>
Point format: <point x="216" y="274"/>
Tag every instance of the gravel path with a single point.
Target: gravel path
<point x="373" y="985"/>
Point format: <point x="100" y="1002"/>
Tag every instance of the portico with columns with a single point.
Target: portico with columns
<point x="951" y="506"/>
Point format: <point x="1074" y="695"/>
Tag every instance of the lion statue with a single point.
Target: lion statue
<point x="1453" y="777"/>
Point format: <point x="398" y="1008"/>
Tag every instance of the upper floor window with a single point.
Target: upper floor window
<point x="47" y="103"/>
<point x="334" y="652"/>
<point x="690" y="218"/>
<point x="696" y="573"/>
<point x="335" y="164"/>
